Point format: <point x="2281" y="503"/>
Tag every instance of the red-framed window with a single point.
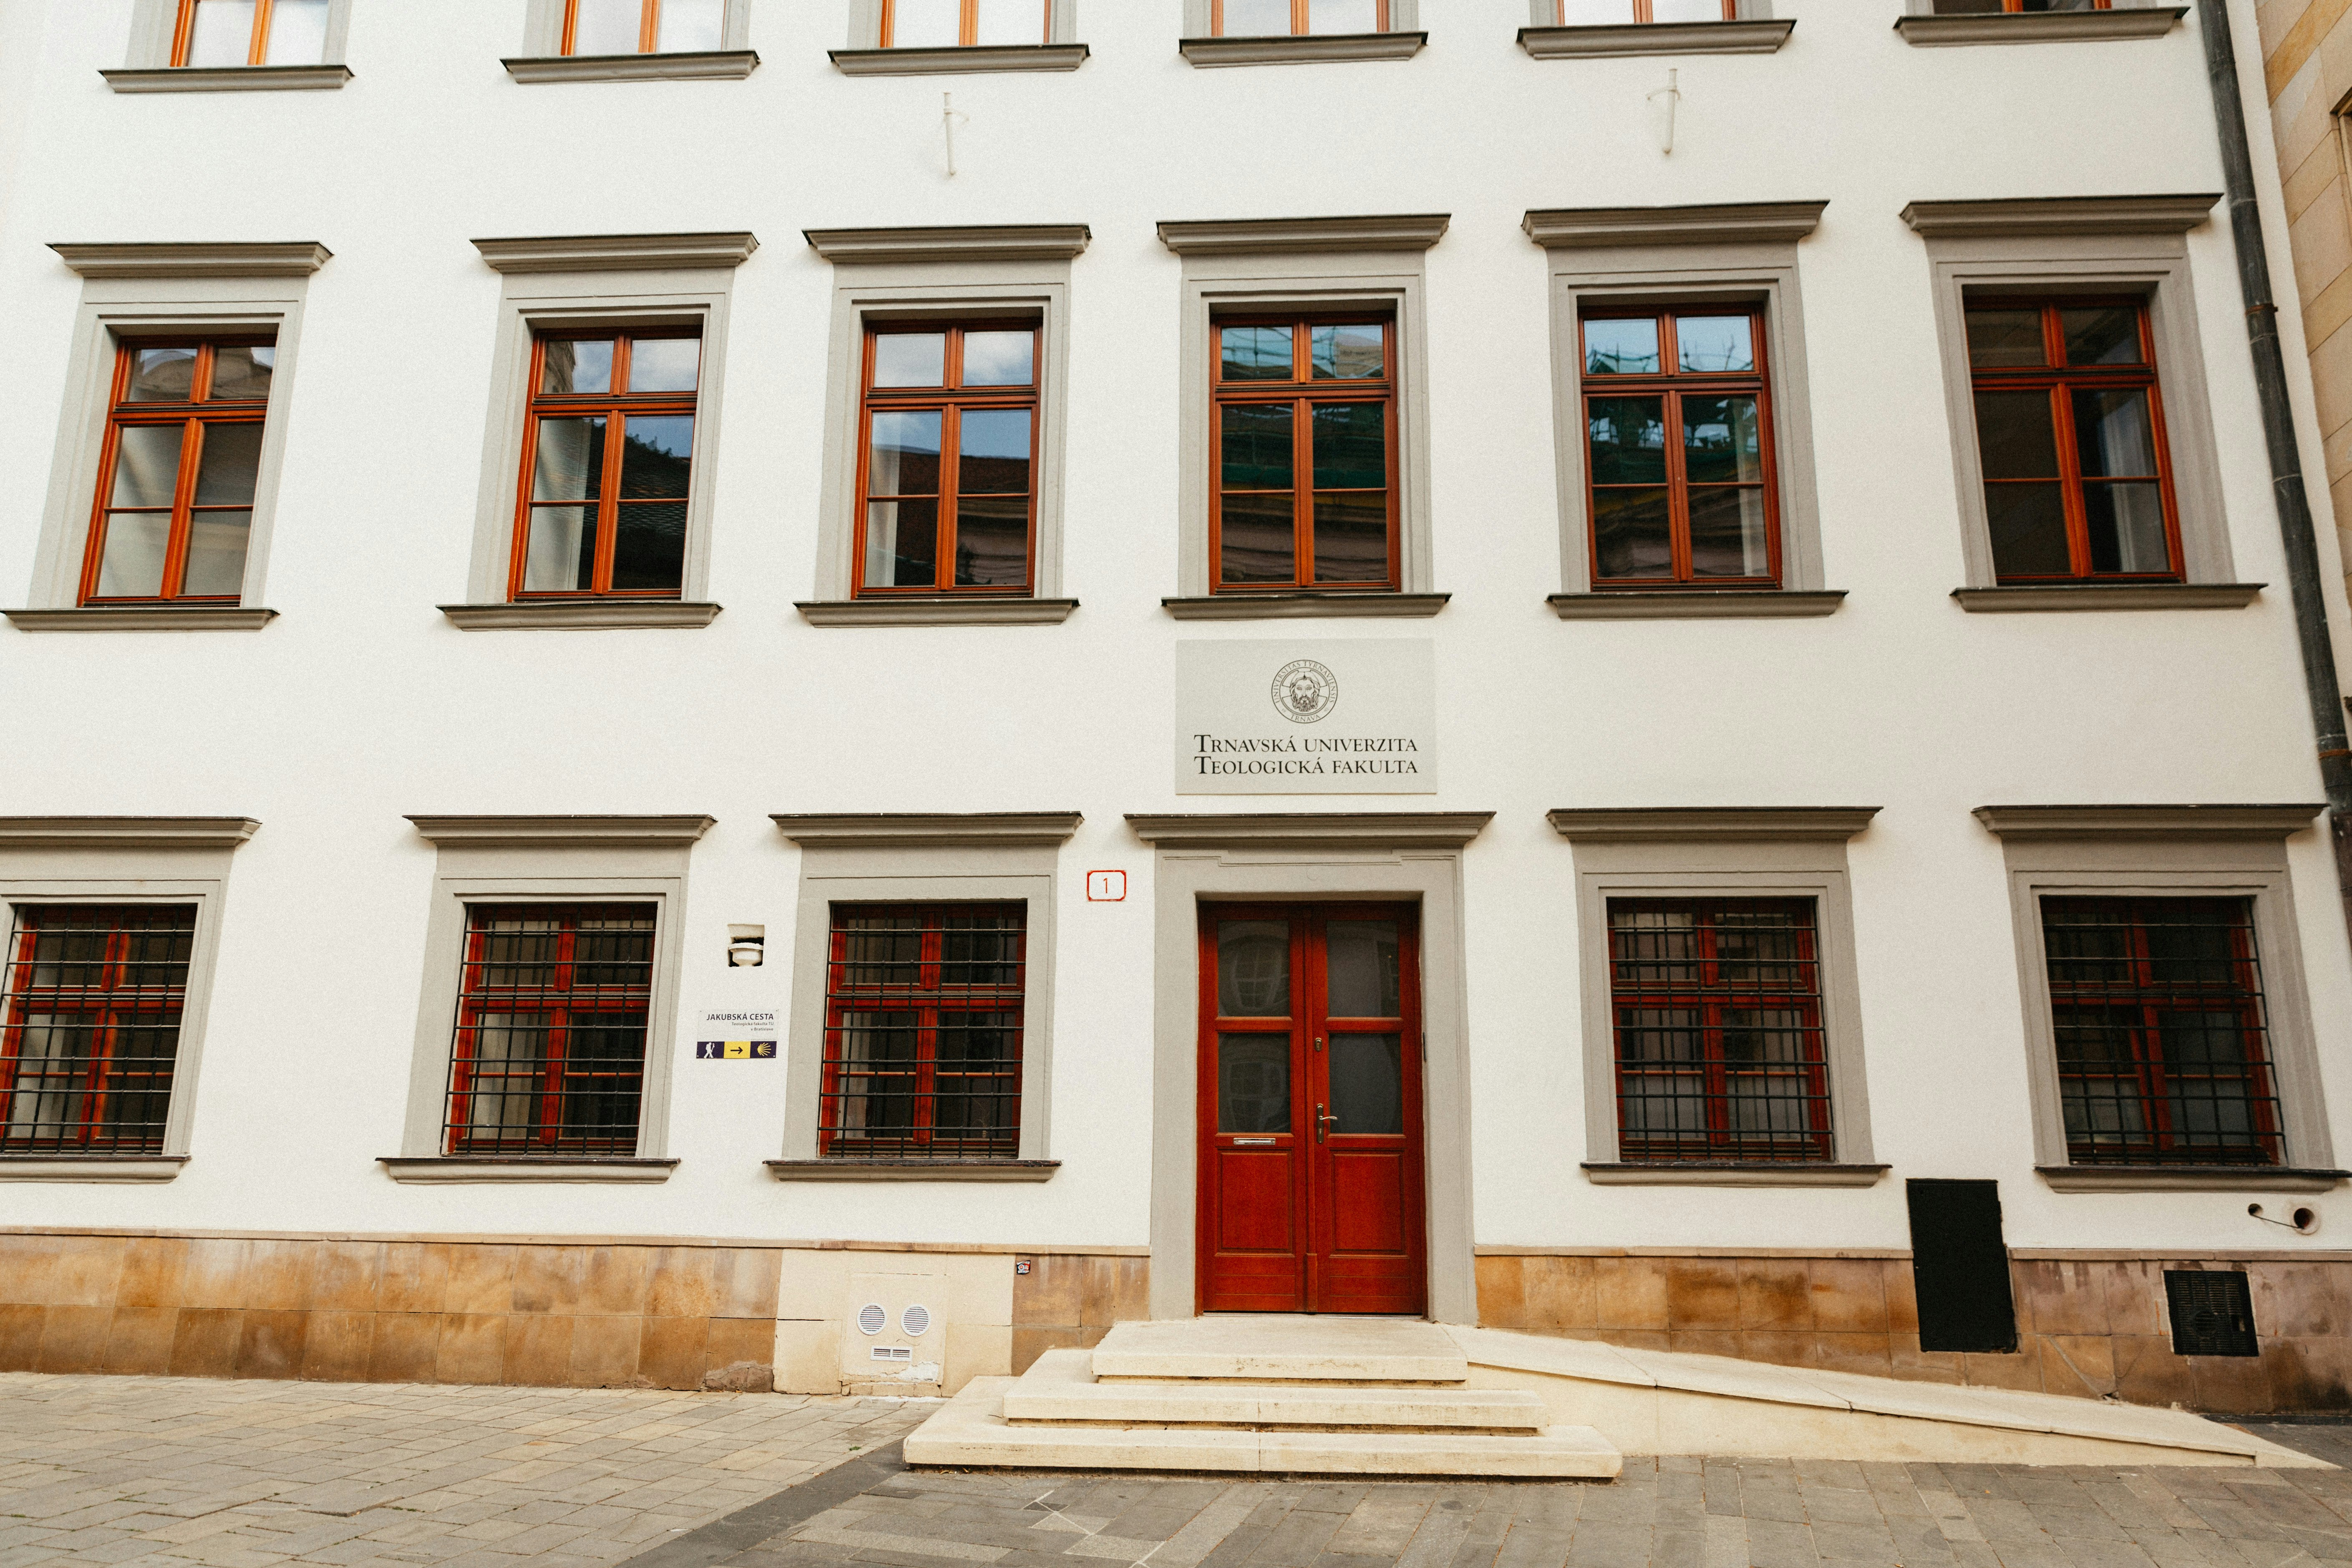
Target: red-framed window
<point x="2162" y="1037"/>
<point x="1680" y="471"/>
<point x="1602" y="13"/>
<point x="2070" y="426"/>
<point x="923" y="1014"/>
<point x="250" y="32"/>
<point x="1720" y="1055"/>
<point x="550" y="1055"/>
<point x="643" y="26"/>
<point x="607" y="464"/>
<point x="950" y="24"/>
<point x="1977" y="7"/>
<point x="93" y="998"/>
<point x="173" y="510"/>
<point x="948" y="464"/>
<point x="1307" y="443"/>
<point x="1275" y="18"/>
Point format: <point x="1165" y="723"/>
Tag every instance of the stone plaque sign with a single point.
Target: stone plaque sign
<point x="1307" y="718"/>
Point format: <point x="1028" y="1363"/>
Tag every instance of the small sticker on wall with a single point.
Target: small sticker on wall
<point x="1105" y="886"/>
<point x="1020" y="1265"/>
<point x="734" y="1050"/>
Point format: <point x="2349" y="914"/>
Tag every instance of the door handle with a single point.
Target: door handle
<point x="1321" y="1121"/>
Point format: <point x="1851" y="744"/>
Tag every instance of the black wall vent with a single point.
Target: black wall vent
<point x="2212" y="1313"/>
<point x="1960" y="1267"/>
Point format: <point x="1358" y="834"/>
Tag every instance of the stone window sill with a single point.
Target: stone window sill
<point x="946" y="610"/>
<point x="2040" y="27"/>
<point x="1287" y="606"/>
<point x="1696" y="604"/>
<point x="1316" y="49"/>
<point x="2108" y="595"/>
<point x="913" y="1170"/>
<point x="1656" y="38"/>
<point x="1733" y="1174"/>
<point x="2187" y="1178"/>
<point x="581" y="614"/>
<point x="143" y="619"/>
<point x="701" y="65"/>
<point x="973" y="58"/>
<point x="226" y="78"/>
<point x="432" y="1170"/>
<point x="90" y="1167"/>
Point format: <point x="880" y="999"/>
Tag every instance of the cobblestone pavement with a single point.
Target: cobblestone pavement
<point x="176" y="1472"/>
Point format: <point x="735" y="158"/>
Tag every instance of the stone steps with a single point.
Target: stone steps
<point x="1061" y="1388"/>
<point x="1283" y="1349"/>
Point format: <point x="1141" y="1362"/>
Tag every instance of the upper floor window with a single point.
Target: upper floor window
<point x="2071" y="430"/>
<point x="176" y="478"/>
<point x="1274" y="19"/>
<point x="950" y="24"/>
<point x="549" y="1057"/>
<point x="250" y="33"/>
<point x="1678" y="420"/>
<point x="2163" y="1046"/>
<point x="1978" y="7"/>
<point x="642" y="26"/>
<point x="1306" y="442"/>
<point x="922" y="1030"/>
<point x="92" y="999"/>
<point x="607" y="464"/>
<point x="947" y="471"/>
<point x="1602" y="13"/>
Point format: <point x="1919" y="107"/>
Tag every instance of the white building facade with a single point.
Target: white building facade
<point x="678" y="668"/>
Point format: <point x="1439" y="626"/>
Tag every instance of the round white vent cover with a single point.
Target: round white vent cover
<point x="872" y="1319"/>
<point x="916" y="1321"/>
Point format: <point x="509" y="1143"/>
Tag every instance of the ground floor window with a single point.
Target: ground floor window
<point x="922" y="1031"/>
<point x="1718" y="1030"/>
<point x="93" y="999"/>
<point x="550" y="1056"/>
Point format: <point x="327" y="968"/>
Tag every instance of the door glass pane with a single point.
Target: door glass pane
<point x="163" y="375"/>
<point x="133" y="566"/>
<point x="1000" y="359"/>
<point x="1367" y="1083"/>
<point x="1721" y="440"/>
<point x="223" y="34"/>
<point x="577" y="365"/>
<point x="1253" y="1083"/>
<point x="2101" y="334"/>
<point x="1255" y="353"/>
<point x="1715" y="342"/>
<point x="902" y="544"/>
<point x="562" y="555"/>
<point x="1351" y="446"/>
<point x="1632" y="535"/>
<point x="298" y="32"/>
<point x="232" y="458"/>
<point x="1727" y="527"/>
<point x="1256" y="538"/>
<point x="1259" y="451"/>
<point x="2125" y="523"/>
<point x="1256" y="18"/>
<point x="1360" y="969"/>
<point x="1355" y="351"/>
<point x="217" y="541"/>
<point x="242" y="374"/>
<point x="1615" y="347"/>
<point x="1343" y="16"/>
<point x="607" y="26"/>
<point x="1998" y="338"/>
<point x="1253" y="969"/>
<point x="1012" y="22"/>
<point x="657" y="456"/>
<point x="994" y="458"/>
<point x="664" y="364"/>
<point x="904" y="459"/>
<point x="146" y="465"/>
<point x="690" y="26"/>
<point x="1352" y="537"/>
<point x="992" y="543"/>
<point x="910" y="359"/>
<point x="926" y="24"/>
<point x="569" y="463"/>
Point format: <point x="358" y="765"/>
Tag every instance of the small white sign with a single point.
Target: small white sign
<point x="1105" y="886"/>
<point x="1307" y="718"/>
<point x="737" y="1034"/>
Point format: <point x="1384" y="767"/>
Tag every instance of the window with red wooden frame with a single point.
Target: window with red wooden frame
<point x="2070" y="426"/>
<point x="1306" y="450"/>
<point x="948" y="459"/>
<point x="1278" y="18"/>
<point x="1980" y="7"/>
<point x="1604" y="12"/>
<point x="550" y="1053"/>
<point x="215" y="33"/>
<point x="923" y="1031"/>
<point x="643" y="26"/>
<point x="1680" y="471"/>
<point x="93" y="997"/>
<point x="608" y="465"/>
<point x="173" y="511"/>
<point x="1717" y="1009"/>
<point x="952" y="24"/>
<point x="2162" y="1039"/>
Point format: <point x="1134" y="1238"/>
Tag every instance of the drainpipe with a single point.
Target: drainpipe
<point x="2278" y="434"/>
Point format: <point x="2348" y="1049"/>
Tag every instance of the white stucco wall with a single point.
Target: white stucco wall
<point x="360" y="704"/>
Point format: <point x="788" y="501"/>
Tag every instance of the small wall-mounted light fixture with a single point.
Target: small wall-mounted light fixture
<point x="747" y="946"/>
<point x="2302" y="1222"/>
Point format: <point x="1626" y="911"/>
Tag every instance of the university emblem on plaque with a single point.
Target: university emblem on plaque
<point x="1305" y="692"/>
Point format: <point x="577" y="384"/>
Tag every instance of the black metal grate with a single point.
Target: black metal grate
<point x="2212" y="1313"/>
<point x="550" y="1055"/>
<point x="922" y="1032"/>
<point x="1718" y="1023"/>
<point x="93" y="1002"/>
<point x="2162" y="1039"/>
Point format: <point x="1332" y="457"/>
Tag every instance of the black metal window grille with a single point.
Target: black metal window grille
<point x="1718" y="1021"/>
<point x="2212" y="1313"/>
<point x="549" y="1057"/>
<point x="2162" y="1037"/>
<point x="93" y="1002"/>
<point x="922" y="1031"/>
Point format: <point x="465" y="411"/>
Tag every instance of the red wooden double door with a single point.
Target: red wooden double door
<point x="1310" y="1182"/>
